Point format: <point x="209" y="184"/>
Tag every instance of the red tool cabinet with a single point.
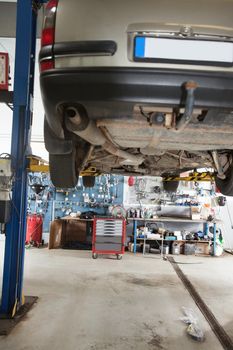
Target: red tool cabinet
<point x="108" y="237"/>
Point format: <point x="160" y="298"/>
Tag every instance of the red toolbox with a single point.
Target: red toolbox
<point x="108" y="237"/>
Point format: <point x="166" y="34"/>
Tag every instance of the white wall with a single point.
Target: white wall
<point x="37" y="144"/>
<point x="226" y="216"/>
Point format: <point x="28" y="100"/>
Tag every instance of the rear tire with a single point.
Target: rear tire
<point x="88" y="181"/>
<point x="63" y="171"/>
<point x="225" y="186"/>
<point x="170" y="186"/>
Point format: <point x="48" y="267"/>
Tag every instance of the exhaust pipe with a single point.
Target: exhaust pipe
<point x="80" y="124"/>
<point x="75" y="118"/>
<point x="218" y="165"/>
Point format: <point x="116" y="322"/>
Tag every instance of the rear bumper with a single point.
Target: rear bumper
<point x="215" y="90"/>
<point x="113" y="92"/>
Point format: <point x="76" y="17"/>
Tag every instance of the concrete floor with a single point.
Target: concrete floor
<point x="106" y="304"/>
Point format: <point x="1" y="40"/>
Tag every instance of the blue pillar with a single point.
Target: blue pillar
<point x="215" y="241"/>
<point x="135" y="235"/>
<point x="22" y="119"/>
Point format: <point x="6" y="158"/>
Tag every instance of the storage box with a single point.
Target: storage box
<point x="138" y="247"/>
<point x="189" y="249"/>
<point x="196" y="216"/>
<point x="195" y="213"/>
<point x="202" y="248"/>
<point x="153" y="236"/>
<point x="55" y="236"/>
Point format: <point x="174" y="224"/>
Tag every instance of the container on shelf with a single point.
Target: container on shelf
<point x="154" y="251"/>
<point x="189" y="249"/>
<point x="176" y="248"/>
<point x="165" y="250"/>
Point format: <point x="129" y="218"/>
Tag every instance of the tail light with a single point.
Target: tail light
<point x="48" y="32"/>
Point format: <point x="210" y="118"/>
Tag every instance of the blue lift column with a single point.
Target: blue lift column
<point x="12" y="295"/>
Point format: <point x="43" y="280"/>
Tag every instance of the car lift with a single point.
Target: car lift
<point x="39" y="165"/>
<point x="193" y="176"/>
<point x="12" y="300"/>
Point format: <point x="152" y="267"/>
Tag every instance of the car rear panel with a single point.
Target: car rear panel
<point x="120" y="21"/>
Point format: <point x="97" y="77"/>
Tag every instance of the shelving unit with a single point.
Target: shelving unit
<point x="171" y="219"/>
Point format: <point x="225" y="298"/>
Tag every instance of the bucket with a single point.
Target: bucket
<point x="176" y="249"/>
<point x="165" y="249"/>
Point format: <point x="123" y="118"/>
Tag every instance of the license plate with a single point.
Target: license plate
<point x="191" y="51"/>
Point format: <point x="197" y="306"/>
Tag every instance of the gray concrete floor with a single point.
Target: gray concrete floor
<point x="106" y="304"/>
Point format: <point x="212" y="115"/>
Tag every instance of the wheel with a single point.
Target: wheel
<point x="63" y="171"/>
<point x="88" y="181"/>
<point x="225" y="186"/>
<point x="119" y="256"/>
<point x="94" y="255"/>
<point x="170" y="186"/>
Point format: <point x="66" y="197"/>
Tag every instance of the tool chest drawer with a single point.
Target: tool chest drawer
<point x="108" y="239"/>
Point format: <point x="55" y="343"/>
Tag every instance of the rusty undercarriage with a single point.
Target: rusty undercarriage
<point x="152" y="140"/>
<point x="154" y="146"/>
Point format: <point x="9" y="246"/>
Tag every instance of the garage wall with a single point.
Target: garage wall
<point x="38" y="148"/>
<point x="226" y="216"/>
<point x="8" y="19"/>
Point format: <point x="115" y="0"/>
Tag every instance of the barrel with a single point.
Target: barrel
<point x="34" y="229"/>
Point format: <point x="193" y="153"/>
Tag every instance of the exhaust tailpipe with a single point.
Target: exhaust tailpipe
<point x="80" y="124"/>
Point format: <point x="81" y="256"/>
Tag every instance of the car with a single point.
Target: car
<point x="138" y="88"/>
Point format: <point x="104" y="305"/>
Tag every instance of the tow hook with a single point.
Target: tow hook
<point x="190" y="88"/>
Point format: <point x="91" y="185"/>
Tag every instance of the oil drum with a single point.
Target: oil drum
<point x="34" y="229"/>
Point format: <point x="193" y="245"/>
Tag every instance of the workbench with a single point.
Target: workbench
<point x="69" y="231"/>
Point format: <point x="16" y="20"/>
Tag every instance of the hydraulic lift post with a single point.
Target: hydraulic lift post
<point x="12" y="296"/>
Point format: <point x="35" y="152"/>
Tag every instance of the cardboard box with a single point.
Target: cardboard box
<point x="202" y="248"/>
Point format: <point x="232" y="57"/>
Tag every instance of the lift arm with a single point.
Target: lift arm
<point x="195" y="176"/>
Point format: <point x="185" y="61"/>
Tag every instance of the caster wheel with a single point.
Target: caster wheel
<point x="119" y="256"/>
<point x="94" y="255"/>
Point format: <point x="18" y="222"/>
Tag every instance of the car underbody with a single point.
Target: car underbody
<point x="159" y="124"/>
<point x="157" y="148"/>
